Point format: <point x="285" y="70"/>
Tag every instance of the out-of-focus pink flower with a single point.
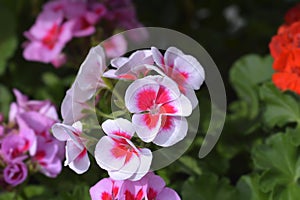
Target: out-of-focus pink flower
<point x="106" y="189"/>
<point x="118" y="155"/>
<point x="76" y="153"/>
<point x="159" y="110"/>
<point x="15" y="173"/>
<point x="47" y="156"/>
<point x="115" y="46"/>
<point x="38" y="115"/>
<point x="1" y="130"/>
<point x="136" y="66"/>
<point x="47" y="37"/>
<point x="185" y="70"/>
<point x="13" y="148"/>
<point x="59" y="60"/>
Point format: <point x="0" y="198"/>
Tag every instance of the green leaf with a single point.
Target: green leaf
<point x="190" y="165"/>
<point x="281" y="108"/>
<point x="8" y="39"/>
<point x="249" y="189"/>
<point x="279" y="163"/>
<point x="246" y="74"/>
<point x="5" y="100"/>
<point x="208" y="187"/>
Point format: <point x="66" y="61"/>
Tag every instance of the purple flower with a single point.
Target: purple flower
<point x="47" y="37"/>
<point x="47" y="156"/>
<point x="15" y="173"/>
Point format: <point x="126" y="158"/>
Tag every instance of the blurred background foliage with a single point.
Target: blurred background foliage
<point x="241" y="166"/>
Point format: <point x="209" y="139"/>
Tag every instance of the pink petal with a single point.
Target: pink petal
<point x="168" y="89"/>
<point x="104" y="155"/>
<point x="118" y="127"/>
<point x="146" y="126"/>
<point x="191" y="70"/>
<point x="115" y="46"/>
<point x="180" y="107"/>
<point x="174" y="129"/>
<point x="155" y="185"/>
<point x="141" y="94"/>
<point x="168" y="194"/>
<point x="101" y="189"/>
<point x="145" y="156"/>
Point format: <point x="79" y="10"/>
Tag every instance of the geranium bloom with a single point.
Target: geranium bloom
<point x="15" y="173"/>
<point x="115" y="46"/>
<point x="106" y="189"/>
<point x="76" y="153"/>
<point x="118" y="155"/>
<point x="47" y="37"/>
<point x="159" y="110"/>
<point x="132" y="68"/>
<point x="185" y="70"/>
<point x="47" y="156"/>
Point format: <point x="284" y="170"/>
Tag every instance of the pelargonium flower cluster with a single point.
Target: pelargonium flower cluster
<point x="160" y="97"/>
<point x="62" y="20"/>
<point x="285" y="50"/>
<point x="26" y="142"/>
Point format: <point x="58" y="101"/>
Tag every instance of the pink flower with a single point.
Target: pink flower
<point x="106" y="189"/>
<point x="47" y="37"/>
<point x="185" y="70"/>
<point x="118" y="155"/>
<point x="76" y="153"/>
<point x="38" y="115"/>
<point x="15" y="173"/>
<point x="47" y="156"/>
<point x="59" y="60"/>
<point x="115" y="46"/>
<point x="137" y="65"/>
<point x="159" y="110"/>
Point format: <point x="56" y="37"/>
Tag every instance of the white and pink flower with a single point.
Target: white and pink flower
<point x="106" y="189"/>
<point x="159" y="110"/>
<point x="184" y="69"/>
<point x="118" y="155"/>
<point x="76" y="153"/>
<point x="115" y="46"/>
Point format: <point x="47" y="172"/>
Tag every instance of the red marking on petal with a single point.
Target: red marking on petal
<point x="167" y="108"/>
<point x="139" y="195"/>
<point x="151" y="120"/>
<point x="129" y="195"/>
<point x="40" y="155"/>
<point x="151" y="194"/>
<point x="105" y="196"/>
<point x="83" y="153"/>
<point x="115" y="191"/>
<point x="122" y="134"/>
<point x="123" y="149"/>
<point x="26" y="146"/>
<point x="166" y="122"/>
<point x="52" y="36"/>
<point x="163" y="95"/>
<point x="128" y="76"/>
<point x="145" y="99"/>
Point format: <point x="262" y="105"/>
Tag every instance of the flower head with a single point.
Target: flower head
<point x="15" y="173"/>
<point x="118" y="155"/>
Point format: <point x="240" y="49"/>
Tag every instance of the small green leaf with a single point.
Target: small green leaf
<point x="5" y="100"/>
<point x="190" y="165"/>
<point x="246" y="74"/>
<point x="249" y="189"/>
<point x="281" y="108"/>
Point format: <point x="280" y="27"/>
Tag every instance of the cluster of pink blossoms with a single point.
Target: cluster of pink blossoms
<point x="160" y="96"/>
<point x="61" y="20"/>
<point x="26" y="141"/>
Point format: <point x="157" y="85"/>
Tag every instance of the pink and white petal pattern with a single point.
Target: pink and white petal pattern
<point x="147" y="125"/>
<point x="173" y="130"/>
<point x="179" y="107"/>
<point x="106" y="189"/>
<point x="145" y="163"/>
<point x="118" y="127"/>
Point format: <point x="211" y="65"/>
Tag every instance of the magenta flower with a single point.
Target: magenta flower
<point x="115" y="46"/>
<point x="15" y="173"/>
<point x="47" y="156"/>
<point x="106" y="189"/>
<point x="185" y="70"/>
<point x="38" y="115"/>
<point x="47" y="37"/>
<point x="137" y="65"/>
<point x="14" y="147"/>
<point x="159" y="110"/>
<point x="118" y="155"/>
<point x="76" y="153"/>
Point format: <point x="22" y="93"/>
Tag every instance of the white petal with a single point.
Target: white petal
<point x="59" y="132"/>
<point x="72" y="152"/>
<point x="179" y="107"/>
<point x="171" y="54"/>
<point x="81" y="164"/>
<point x="173" y="130"/>
<point x="110" y="74"/>
<point x="146" y="126"/>
<point x="119" y="62"/>
<point x="104" y="156"/>
<point x="145" y="163"/>
<point x="191" y="95"/>
<point x="127" y="170"/>
<point x="119" y="125"/>
<point x="157" y="56"/>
